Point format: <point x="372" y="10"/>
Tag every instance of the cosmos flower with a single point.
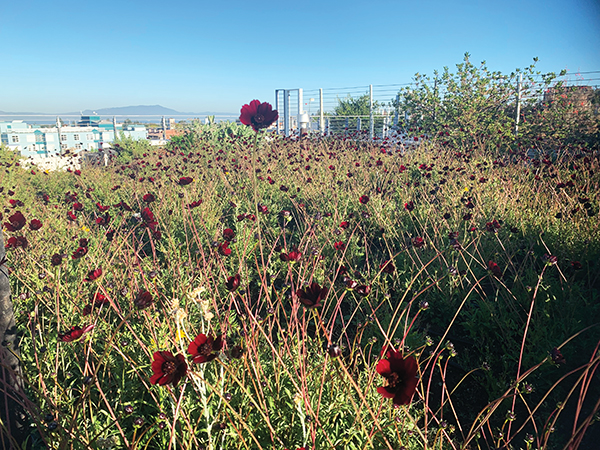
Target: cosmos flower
<point x="168" y="369"/>
<point x="258" y="115"/>
<point x="401" y="376"/>
<point x="205" y="348"/>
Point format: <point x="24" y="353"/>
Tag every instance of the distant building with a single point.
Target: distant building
<point x="91" y="134"/>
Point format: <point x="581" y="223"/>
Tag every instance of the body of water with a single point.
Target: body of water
<point x="71" y="119"/>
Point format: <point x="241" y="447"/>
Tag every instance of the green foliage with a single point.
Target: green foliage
<point x="128" y="148"/>
<point x="441" y="304"/>
<point x="351" y="106"/>
<point x="471" y="106"/>
<point x="8" y="156"/>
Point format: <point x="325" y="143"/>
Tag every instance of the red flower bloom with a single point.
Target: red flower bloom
<point x="339" y="245"/>
<point x="388" y="267"/>
<point x="143" y="300"/>
<point x="228" y="234"/>
<point x="344" y="225"/>
<point x="364" y="199"/>
<point x="258" y="115"/>
<point x="294" y="255"/>
<point x="77" y="206"/>
<point x="418" y="242"/>
<point x="56" y="259"/>
<point x="205" y="348"/>
<point x="409" y="206"/>
<point x="401" y="376"/>
<point x="184" y="181"/>
<point x="311" y="296"/>
<point x="101" y="208"/>
<point x="148" y="218"/>
<point x="15" y="222"/>
<point x="557" y="356"/>
<point x="93" y="274"/>
<point x="80" y="252"/>
<point x="17" y="241"/>
<point x="224" y="249"/>
<point x="233" y="282"/>
<point x="494" y="268"/>
<point x="74" y="333"/>
<point x="35" y="225"/>
<point x="168" y="369"/>
<point x="148" y="198"/>
<point x="71" y="216"/>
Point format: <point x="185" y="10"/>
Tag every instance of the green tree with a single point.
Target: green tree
<point x="351" y="106"/>
<point x="474" y="106"/>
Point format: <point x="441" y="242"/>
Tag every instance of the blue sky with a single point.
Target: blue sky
<point x="61" y="56"/>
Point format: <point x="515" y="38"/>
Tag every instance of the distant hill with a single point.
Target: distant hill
<point x="141" y="110"/>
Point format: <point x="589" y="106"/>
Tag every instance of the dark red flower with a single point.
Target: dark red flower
<point x="294" y="255"/>
<point x="228" y="234"/>
<point x="233" y="282"/>
<point x="363" y="290"/>
<point x="205" y="348"/>
<point x="258" y="115"/>
<point x="557" y="357"/>
<point x="576" y="265"/>
<point x="35" y="224"/>
<point x="339" y="245"/>
<point x="143" y="300"/>
<point x="15" y="222"/>
<point x="102" y="208"/>
<point x="418" y="242"/>
<point x="93" y="274"/>
<point x="17" y="241"/>
<point x="83" y="242"/>
<point x="168" y="369"/>
<point x="224" y="249"/>
<point x="77" y="206"/>
<point x="409" y="206"/>
<point x="71" y="216"/>
<point x="74" y="333"/>
<point x="100" y="299"/>
<point x="312" y="295"/>
<point x="184" y="181"/>
<point x="148" y="198"/>
<point x="56" y="259"/>
<point x="79" y="253"/>
<point x="148" y="218"/>
<point x="388" y="267"/>
<point x="494" y="268"/>
<point x="364" y="199"/>
<point x="401" y="376"/>
<point x="344" y="225"/>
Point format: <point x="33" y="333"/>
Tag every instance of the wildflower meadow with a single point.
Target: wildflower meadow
<point x="240" y="290"/>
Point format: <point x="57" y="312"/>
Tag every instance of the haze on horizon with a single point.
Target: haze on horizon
<point x="203" y="56"/>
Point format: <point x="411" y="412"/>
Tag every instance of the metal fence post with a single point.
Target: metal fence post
<point x="346" y="125"/>
<point x="277" y="108"/>
<point x="321" y="129"/>
<point x="371" y="123"/>
<point x="286" y="112"/>
<point x="518" y="113"/>
<point x="358" y="124"/>
<point x="327" y="129"/>
<point x="396" y="114"/>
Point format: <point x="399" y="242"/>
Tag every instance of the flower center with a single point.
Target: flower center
<point x="393" y="380"/>
<point x="206" y="349"/>
<point x="169" y="367"/>
<point x="259" y="118"/>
